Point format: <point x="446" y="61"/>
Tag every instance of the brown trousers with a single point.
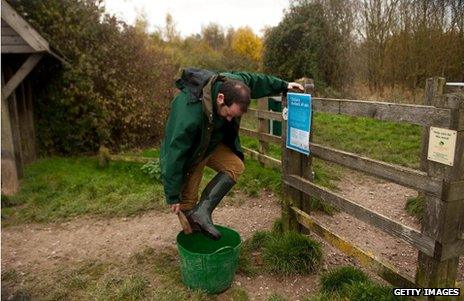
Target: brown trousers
<point x="222" y="159"/>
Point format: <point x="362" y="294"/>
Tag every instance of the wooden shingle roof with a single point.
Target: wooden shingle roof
<point x="18" y="36"/>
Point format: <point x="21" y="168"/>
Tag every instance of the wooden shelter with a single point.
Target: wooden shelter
<point x="22" y="50"/>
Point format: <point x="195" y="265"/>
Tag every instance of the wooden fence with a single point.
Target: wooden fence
<point x="440" y="241"/>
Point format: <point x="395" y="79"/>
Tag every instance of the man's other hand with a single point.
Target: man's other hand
<point x="175" y="208"/>
<point x="295" y="87"/>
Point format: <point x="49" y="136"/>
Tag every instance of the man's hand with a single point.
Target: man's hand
<point x="295" y="87"/>
<point x="175" y="208"/>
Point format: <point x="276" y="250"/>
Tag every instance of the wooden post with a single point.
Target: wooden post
<point x="263" y="126"/>
<point x="444" y="216"/>
<point x="433" y="89"/>
<point x="293" y="163"/>
<point x="14" y="119"/>
<point x="10" y="182"/>
<point x="30" y="112"/>
<point x="23" y="121"/>
<point x="307" y="167"/>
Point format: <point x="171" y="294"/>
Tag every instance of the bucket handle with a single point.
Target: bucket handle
<point x="223" y="250"/>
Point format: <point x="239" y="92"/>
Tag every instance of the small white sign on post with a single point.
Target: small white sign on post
<point x="442" y="143"/>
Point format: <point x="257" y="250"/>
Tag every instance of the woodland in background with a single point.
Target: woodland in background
<point x="119" y="81"/>
<point x="380" y="43"/>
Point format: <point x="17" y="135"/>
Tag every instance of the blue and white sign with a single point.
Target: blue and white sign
<point x="299" y="122"/>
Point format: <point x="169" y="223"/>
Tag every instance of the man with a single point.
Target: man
<point x="202" y="130"/>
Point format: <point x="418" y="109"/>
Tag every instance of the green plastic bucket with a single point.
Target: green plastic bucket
<point x="208" y="264"/>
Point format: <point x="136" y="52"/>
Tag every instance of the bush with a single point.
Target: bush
<point x="115" y="90"/>
<point x="291" y="253"/>
<point x="334" y="281"/>
<point x="152" y="169"/>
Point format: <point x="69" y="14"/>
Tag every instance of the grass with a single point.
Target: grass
<point x="147" y="275"/>
<point x="255" y="178"/>
<point x="397" y="143"/>
<point x="291" y="254"/>
<point x="325" y="173"/>
<point x="416" y="207"/>
<point x="238" y="294"/>
<point x="367" y="291"/>
<point x="336" y="280"/>
<point x="350" y="283"/>
<point x="148" y="153"/>
<point x="58" y="188"/>
<point x="276" y="297"/>
<point x="250" y="262"/>
<point x="324" y="297"/>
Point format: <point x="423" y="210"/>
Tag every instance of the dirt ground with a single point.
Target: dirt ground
<point x="35" y="248"/>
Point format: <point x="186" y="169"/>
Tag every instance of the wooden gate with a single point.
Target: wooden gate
<point x="440" y="241"/>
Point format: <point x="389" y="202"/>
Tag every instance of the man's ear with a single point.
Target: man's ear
<point x="220" y="99"/>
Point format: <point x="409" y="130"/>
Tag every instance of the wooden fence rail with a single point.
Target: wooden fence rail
<point x="441" y="239"/>
<point x="414" y="114"/>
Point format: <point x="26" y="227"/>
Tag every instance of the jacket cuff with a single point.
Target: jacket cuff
<point x="284" y="86"/>
<point x="172" y="199"/>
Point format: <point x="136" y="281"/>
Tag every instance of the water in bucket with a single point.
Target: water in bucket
<point x="208" y="264"/>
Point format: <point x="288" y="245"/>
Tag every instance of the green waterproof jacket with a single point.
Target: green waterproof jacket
<point x="193" y="126"/>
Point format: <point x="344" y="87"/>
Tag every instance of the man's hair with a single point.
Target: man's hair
<point x="237" y="92"/>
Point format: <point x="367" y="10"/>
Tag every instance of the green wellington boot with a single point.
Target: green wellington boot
<point x="213" y="193"/>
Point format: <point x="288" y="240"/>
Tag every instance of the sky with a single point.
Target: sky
<point x="190" y="15"/>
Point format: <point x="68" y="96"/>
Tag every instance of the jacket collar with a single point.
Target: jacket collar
<point x="209" y="96"/>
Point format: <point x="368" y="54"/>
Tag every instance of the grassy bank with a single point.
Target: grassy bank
<point x="397" y="143"/>
<point x="58" y="188"/>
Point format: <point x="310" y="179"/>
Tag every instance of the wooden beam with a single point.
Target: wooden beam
<point x="415" y="114"/>
<point x="30" y="109"/>
<point x="441" y="221"/>
<point x="425" y="115"/>
<point x="8" y="31"/>
<point x="455" y="191"/>
<point x="263" y="126"/>
<point x="265" y="114"/>
<point x="366" y="259"/>
<point x="19" y="76"/>
<point x="261" y="136"/>
<point x="14" y="119"/>
<point x="401" y="175"/>
<point x="13" y="40"/>
<point x="26" y="31"/>
<point x="412" y="236"/>
<point x="433" y="273"/>
<point x="292" y="163"/>
<point x="266" y="160"/>
<point x="23" y="123"/>
<point x="444" y="216"/>
<point x="452" y="250"/>
<point x="433" y="88"/>
<point x="17" y="49"/>
<point x="10" y="180"/>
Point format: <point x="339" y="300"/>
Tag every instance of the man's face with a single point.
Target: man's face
<point x="227" y="112"/>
